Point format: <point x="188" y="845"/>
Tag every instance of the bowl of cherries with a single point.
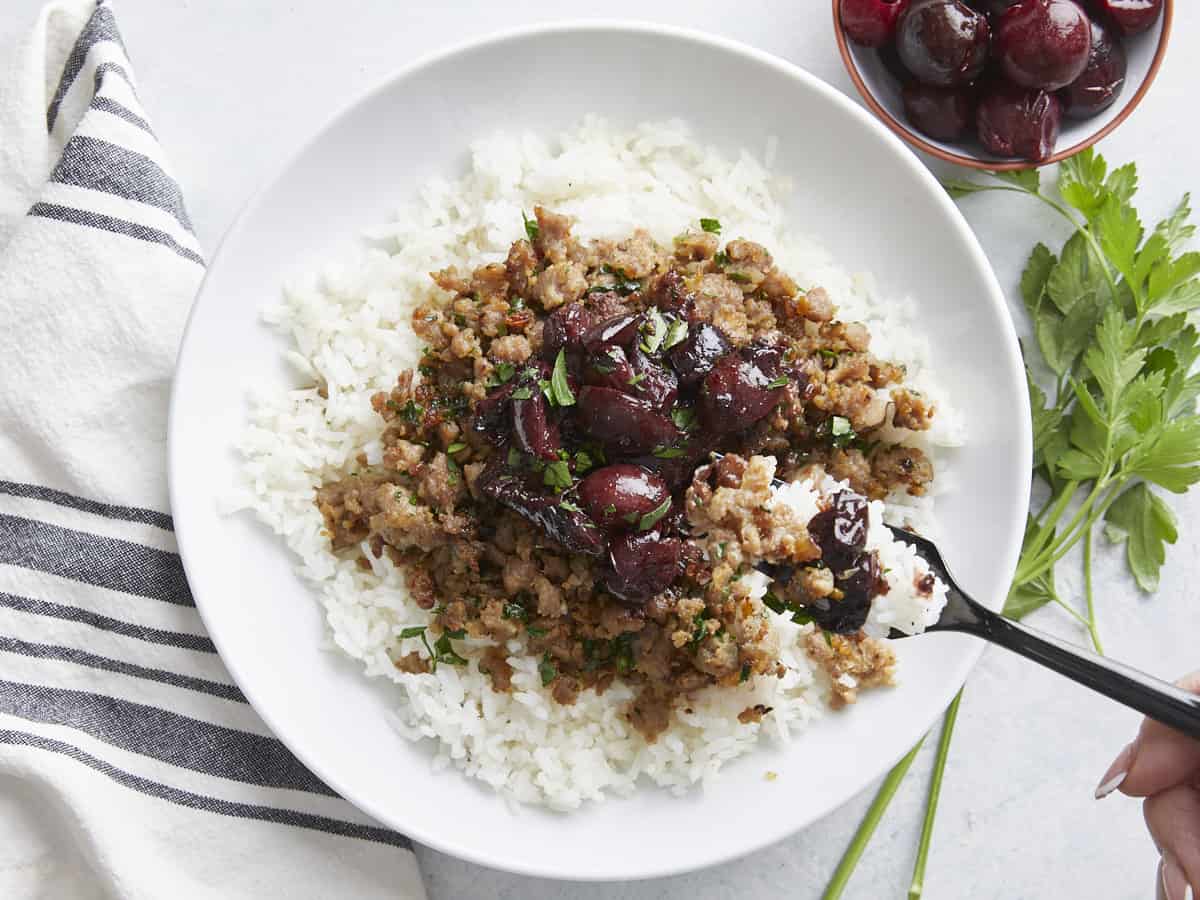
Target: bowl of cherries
<point x="1002" y="84"/>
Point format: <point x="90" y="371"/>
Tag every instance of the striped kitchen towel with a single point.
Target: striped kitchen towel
<point x="130" y="763"/>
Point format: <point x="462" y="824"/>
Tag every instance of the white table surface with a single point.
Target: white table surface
<point x="233" y="86"/>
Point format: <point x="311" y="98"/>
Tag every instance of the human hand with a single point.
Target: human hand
<point x="1163" y="766"/>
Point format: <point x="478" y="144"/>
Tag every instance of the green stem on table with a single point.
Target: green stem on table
<point x="1087" y="587"/>
<point x="1036" y="544"/>
<point x="935" y="792"/>
<point x="867" y="826"/>
<point x="1035" y="565"/>
<point x="1064" y="545"/>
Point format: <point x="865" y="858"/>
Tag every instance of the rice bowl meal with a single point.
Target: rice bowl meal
<point x="593" y="459"/>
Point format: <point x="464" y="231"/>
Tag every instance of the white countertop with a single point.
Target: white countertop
<point x="232" y="86"/>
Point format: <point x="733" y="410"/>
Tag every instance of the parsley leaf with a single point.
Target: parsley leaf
<point x="547" y="669"/>
<point x="669" y="452"/>
<point x="557" y="475"/>
<point x="1146" y="525"/>
<point x="531" y="227"/>
<point x="654" y="330"/>
<point x="649" y="519"/>
<point x="559" y="386"/>
<point x="712" y="226"/>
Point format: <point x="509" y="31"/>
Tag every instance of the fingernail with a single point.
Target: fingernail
<point x="1175" y="884"/>
<point x="1116" y="773"/>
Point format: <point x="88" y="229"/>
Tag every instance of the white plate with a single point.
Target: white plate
<point x="872" y="204"/>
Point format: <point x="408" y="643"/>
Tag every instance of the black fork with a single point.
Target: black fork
<point x="1150" y="696"/>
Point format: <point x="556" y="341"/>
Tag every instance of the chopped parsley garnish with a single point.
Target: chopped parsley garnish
<point x="623" y="652"/>
<point x="827" y="354"/>
<point x="745" y="675"/>
<point x="443" y="652"/>
<point x="514" y="457"/>
<point x="547" y="669"/>
<point x="502" y="374"/>
<point x="739" y="277"/>
<point x="412" y="412"/>
<point x="683" y="418"/>
<point x="637" y="379"/>
<point x="654" y="330"/>
<point x="676" y="332"/>
<point x="456" y="447"/>
<point x="840" y="431"/>
<point x="560" y="389"/>
<point x="610" y="509"/>
<point x="712" y="226"/>
<point x="654" y="515"/>
<point x="412" y="632"/>
<point x="721" y="258"/>
<point x="534" y="631"/>
<point x="524" y="392"/>
<point x="583" y="461"/>
<point x="630" y="517"/>
<point x="669" y="452"/>
<point x="699" y="631"/>
<point x="454" y="470"/>
<point x="531" y="226"/>
<point x="719" y="550"/>
<point x="514" y="610"/>
<point x="557" y="475"/>
<point x="781" y="381"/>
<point x="568" y="506"/>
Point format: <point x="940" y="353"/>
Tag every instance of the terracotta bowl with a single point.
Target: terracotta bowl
<point x="882" y="94"/>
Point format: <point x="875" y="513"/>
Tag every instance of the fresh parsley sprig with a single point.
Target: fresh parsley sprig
<point x="1114" y="404"/>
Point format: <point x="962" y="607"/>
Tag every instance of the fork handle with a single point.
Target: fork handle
<point x="1157" y="699"/>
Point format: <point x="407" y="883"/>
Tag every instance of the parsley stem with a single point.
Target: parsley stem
<point x="1087" y="587"/>
<point x="1037" y="544"/>
<point x="931" y="804"/>
<point x="1074" y="531"/>
<point x="1043" y="557"/>
<point x="867" y="827"/>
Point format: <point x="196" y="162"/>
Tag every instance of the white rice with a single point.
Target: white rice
<point x="350" y="328"/>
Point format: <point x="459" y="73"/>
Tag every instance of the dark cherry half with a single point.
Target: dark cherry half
<point x="641" y="565"/>
<point x="617" y="496"/>
<point x="1130" y="16"/>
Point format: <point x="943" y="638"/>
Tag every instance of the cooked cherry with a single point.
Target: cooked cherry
<point x="491" y="413"/>
<point x="1130" y="16"/>
<point x="608" y="366"/>
<point x="871" y="23"/>
<point x="992" y="7"/>
<point x="670" y="295"/>
<point x="694" y="356"/>
<point x="736" y="394"/>
<point x="533" y="429"/>
<point x="1011" y="121"/>
<point x="1102" y="80"/>
<point x="942" y="42"/>
<point x="944" y="114"/>
<point x="651" y="382"/>
<point x="565" y="328"/>
<point x="841" y="530"/>
<point x="524" y="494"/>
<point x="623" y="423"/>
<point x="617" y="496"/>
<point x="859" y="583"/>
<point x="642" y="564"/>
<point x="1043" y="43"/>
<point x="621" y="330"/>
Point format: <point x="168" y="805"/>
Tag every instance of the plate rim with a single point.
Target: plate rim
<point x="620" y="27"/>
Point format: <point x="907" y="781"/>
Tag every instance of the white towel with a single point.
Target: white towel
<point x="130" y="763"/>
